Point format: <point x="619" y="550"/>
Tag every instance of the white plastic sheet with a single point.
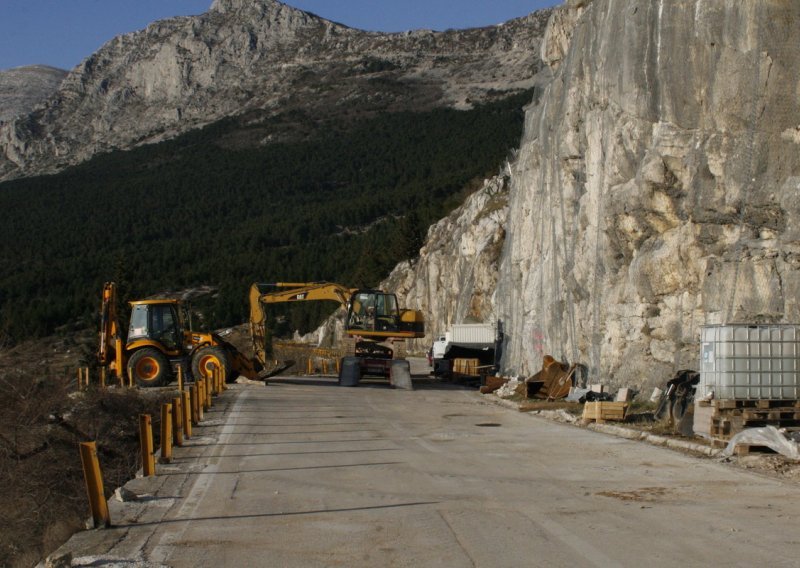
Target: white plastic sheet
<point x="768" y="436"/>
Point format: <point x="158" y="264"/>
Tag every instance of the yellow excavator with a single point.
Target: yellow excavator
<point x="374" y="320"/>
<point x="160" y="340"/>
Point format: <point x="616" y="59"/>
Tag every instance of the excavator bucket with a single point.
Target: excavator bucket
<point x="276" y="368"/>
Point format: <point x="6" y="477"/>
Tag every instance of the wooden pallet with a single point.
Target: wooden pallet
<point x="602" y="412"/>
<point x="747" y="449"/>
<point x="734" y="404"/>
<point x="732" y="416"/>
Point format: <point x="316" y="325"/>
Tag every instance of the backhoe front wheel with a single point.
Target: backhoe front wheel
<point x="207" y="358"/>
<point x="149" y="367"/>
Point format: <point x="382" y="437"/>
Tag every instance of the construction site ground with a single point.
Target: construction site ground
<point x="306" y="473"/>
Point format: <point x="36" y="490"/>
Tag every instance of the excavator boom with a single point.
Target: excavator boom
<point x="372" y="315"/>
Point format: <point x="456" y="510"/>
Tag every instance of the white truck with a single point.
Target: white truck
<point x="467" y="341"/>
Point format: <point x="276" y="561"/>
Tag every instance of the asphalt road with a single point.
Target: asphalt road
<point x="305" y="473"/>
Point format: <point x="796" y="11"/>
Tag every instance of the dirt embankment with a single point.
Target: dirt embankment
<point x="43" y="418"/>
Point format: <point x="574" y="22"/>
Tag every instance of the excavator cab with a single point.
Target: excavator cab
<point x="375" y="314"/>
<point x="373" y="310"/>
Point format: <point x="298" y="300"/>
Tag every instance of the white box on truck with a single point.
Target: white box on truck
<point x="473" y="334"/>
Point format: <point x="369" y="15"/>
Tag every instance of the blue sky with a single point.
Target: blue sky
<point x="62" y="33"/>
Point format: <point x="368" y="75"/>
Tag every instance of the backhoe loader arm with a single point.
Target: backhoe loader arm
<point x="111" y="349"/>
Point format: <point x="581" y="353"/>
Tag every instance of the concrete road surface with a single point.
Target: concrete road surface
<point x="305" y="473"/>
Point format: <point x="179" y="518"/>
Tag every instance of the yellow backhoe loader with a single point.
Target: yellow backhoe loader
<point x="160" y="340"/>
<point x="374" y="320"/>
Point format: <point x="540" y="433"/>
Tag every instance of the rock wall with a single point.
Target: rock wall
<point x="656" y="190"/>
<point x="455" y="276"/>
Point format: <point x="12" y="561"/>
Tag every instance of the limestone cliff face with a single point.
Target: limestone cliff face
<point x="455" y="277"/>
<point x="656" y="188"/>
<point x="262" y="55"/>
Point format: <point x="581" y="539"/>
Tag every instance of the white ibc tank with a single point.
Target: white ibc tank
<point x="750" y="362"/>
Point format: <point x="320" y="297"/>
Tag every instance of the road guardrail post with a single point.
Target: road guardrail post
<point x="177" y="421"/>
<point x="187" y="414"/>
<point x="94" y="485"/>
<point x="166" y="433"/>
<point x="146" y="445"/>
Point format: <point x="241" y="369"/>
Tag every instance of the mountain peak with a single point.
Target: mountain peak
<point x="238" y="6"/>
<point x="259" y="56"/>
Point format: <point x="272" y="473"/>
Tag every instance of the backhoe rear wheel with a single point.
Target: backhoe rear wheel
<point x="149" y="367"/>
<point x="205" y="359"/>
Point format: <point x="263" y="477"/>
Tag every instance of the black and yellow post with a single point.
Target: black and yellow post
<point x="146" y="444"/>
<point x="94" y="485"/>
<point x="166" y="433"/>
<point x="177" y="421"/>
<point x="187" y="414"/>
<point x="207" y="392"/>
<point x="201" y="398"/>
<point x="193" y="403"/>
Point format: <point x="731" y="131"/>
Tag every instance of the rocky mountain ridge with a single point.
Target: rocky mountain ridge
<point x="655" y="191"/>
<point x="23" y="88"/>
<point x="264" y="58"/>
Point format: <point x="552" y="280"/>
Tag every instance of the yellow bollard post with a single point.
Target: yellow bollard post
<point x="201" y="399"/>
<point x="201" y="393"/>
<point x="177" y="421"/>
<point x="187" y="414"/>
<point x="324" y="366"/>
<point x="180" y="377"/>
<point x="146" y="445"/>
<point x="166" y="433"/>
<point x="193" y="403"/>
<point x="213" y="381"/>
<point x="338" y="366"/>
<point x="94" y="485"/>
<point x="308" y="367"/>
<point x="102" y="377"/>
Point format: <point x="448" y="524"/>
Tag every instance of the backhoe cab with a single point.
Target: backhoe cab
<point x="160" y="340"/>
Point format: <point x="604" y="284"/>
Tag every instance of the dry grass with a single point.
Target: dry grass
<point x="42" y="421"/>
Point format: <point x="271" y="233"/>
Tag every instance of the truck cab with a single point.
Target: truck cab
<point x="439" y="347"/>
